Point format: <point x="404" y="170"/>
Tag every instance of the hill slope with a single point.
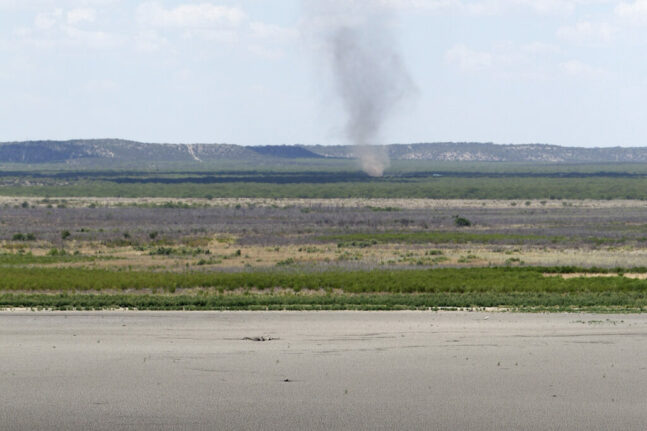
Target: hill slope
<point x="488" y="152"/>
<point x="118" y="152"/>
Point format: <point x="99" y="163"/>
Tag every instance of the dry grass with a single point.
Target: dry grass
<point x="234" y="238"/>
<point x="335" y="203"/>
<point x="226" y="255"/>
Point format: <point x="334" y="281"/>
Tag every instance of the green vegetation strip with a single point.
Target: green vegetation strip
<point x="528" y="301"/>
<point x="449" y="237"/>
<point x="603" y="187"/>
<point x="499" y="279"/>
<point x="433" y="237"/>
<point x="516" y="288"/>
<point x="27" y="258"/>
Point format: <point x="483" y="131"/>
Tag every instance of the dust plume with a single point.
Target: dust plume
<point x="368" y="73"/>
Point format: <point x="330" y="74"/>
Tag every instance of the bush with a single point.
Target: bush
<point x="462" y="221"/>
<point x="162" y="251"/>
<point x="23" y="237"/>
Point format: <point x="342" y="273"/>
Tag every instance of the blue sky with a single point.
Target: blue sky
<point x="566" y="72"/>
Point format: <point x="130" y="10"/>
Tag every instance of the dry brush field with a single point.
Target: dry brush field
<point x="197" y="243"/>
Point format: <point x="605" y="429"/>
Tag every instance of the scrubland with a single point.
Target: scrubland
<point x="322" y="254"/>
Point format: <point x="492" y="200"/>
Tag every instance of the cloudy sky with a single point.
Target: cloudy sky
<point x="566" y="72"/>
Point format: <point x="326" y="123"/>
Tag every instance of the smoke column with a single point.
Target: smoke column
<point x="369" y="76"/>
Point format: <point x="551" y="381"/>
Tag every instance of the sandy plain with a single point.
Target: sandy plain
<point x="323" y="370"/>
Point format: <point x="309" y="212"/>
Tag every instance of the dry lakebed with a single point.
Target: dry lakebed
<point x="122" y="370"/>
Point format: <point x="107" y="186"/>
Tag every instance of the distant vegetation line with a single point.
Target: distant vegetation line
<point x="435" y="188"/>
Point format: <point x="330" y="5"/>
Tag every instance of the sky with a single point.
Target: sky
<point x="253" y="72"/>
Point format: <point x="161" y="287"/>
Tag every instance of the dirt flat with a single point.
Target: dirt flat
<point x="637" y="276"/>
<point x="321" y="370"/>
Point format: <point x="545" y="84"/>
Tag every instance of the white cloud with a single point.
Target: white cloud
<point x="587" y="33"/>
<point x="47" y="20"/>
<point x="155" y="26"/>
<point x="40" y="5"/>
<point x="578" y="69"/>
<point x="92" y="39"/>
<point x="535" y="61"/>
<point x="471" y="7"/>
<point x="222" y="35"/>
<point x="95" y="86"/>
<point x="544" y="7"/>
<point x="269" y="31"/>
<point x="210" y="23"/>
<point x="265" y="51"/>
<point x="494" y="7"/>
<point x="540" y="48"/>
<point x="60" y="28"/>
<point x="76" y="16"/>
<point x="635" y="11"/>
<point x="189" y="16"/>
<point x="149" y="41"/>
<point x="467" y="59"/>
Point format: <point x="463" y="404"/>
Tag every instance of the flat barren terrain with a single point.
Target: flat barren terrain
<point x="322" y="370"/>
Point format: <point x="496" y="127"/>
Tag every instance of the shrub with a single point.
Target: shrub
<point x="162" y="251"/>
<point x="461" y="221"/>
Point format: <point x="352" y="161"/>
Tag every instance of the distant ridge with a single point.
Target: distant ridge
<point x="489" y="152"/>
<point x="285" y="151"/>
<point x="119" y="151"/>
